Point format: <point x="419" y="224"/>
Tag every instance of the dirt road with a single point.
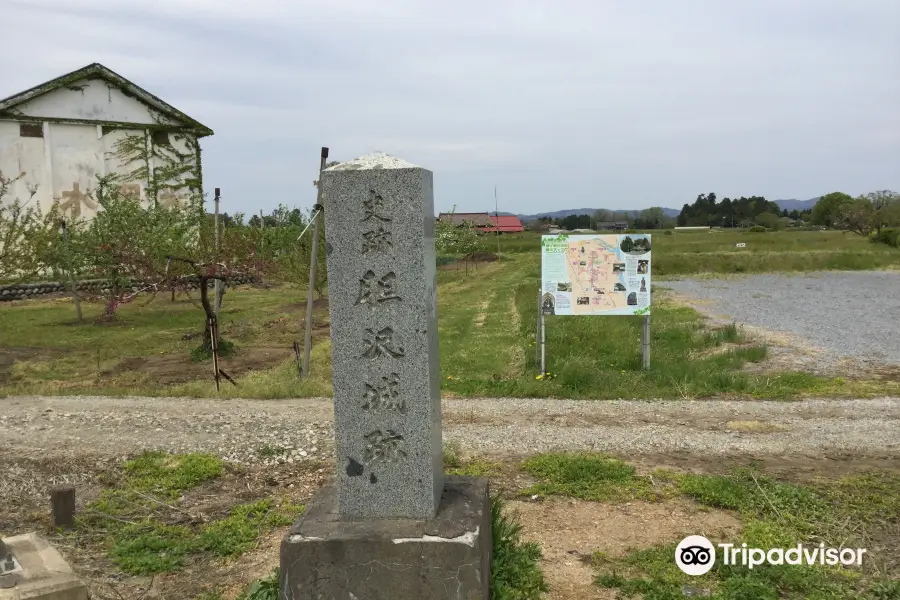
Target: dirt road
<point x="261" y="431"/>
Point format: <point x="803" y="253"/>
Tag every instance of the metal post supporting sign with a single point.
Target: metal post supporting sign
<point x="543" y="346"/>
<point x="645" y="342"/>
<point x="537" y="331"/>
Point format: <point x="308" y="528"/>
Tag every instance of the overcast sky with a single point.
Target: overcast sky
<point x="564" y="104"/>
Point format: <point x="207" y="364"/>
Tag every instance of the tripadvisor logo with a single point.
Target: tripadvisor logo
<point x="696" y="555"/>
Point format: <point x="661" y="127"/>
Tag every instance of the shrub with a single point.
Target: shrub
<point x="757" y="229"/>
<point x="891" y="237"/>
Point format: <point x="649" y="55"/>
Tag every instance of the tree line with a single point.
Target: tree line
<point x="864" y="214"/>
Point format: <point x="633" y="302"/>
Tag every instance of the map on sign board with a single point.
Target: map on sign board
<point x="595" y="274"/>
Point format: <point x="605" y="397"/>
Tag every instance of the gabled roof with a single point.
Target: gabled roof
<point x="98" y="71"/>
<point x="461" y="218"/>
<point x="504" y="223"/>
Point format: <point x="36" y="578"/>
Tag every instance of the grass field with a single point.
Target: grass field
<point x="487" y="325"/>
<point x="714" y="251"/>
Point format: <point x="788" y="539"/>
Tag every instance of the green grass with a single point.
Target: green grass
<point x="853" y="511"/>
<point x="493" y="307"/>
<point x="591" y="357"/>
<point x="135" y="515"/>
<point x="587" y="476"/>
<point x="692" y="253"/>
<point x="714" y="251"/>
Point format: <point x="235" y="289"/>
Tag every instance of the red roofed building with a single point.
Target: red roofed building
<point x="485" y="222"/>
<point x="504" y="224"/>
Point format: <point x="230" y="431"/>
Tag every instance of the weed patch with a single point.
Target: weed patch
<point x="149" y="532"/>
<point x="586" y="476"/>
<point x="263" y="589"/>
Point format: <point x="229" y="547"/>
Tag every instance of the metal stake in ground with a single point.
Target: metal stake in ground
<point x="313" y="259"/>
<point x="296" y="348"/>
<point x="214" y="344"/>
<point x="65" y="235"/>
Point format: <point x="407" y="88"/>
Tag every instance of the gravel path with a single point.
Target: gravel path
<point x="266" y="431"/>
<point x="848" y="314"/>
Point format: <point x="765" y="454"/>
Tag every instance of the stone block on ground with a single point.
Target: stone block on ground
<point x="447" y="557"/>
<point x="41" y="573"/>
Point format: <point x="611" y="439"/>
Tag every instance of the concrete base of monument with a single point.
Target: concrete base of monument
<point x="448" y="557"/>
<point x="41" y="573"/>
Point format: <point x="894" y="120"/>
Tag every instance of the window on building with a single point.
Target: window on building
<point x="35" y="130"/>
<point x="161" y="138"/>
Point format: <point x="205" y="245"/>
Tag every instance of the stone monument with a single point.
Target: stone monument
<point x="392" y="527"/>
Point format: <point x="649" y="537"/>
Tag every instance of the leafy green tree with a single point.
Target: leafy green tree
<point x="650" y="218"/>
<point x="28" y="236"/>
<point x="886" y="205"/>
<point x="451" y="239"/>
<point x="857" y="215"/>
<point x="768" y="220"/>
<point x="730" y="212"/>
<point x="627" y="244"/>
<point x="827" y="211"/>
<point x="127" y="244"/>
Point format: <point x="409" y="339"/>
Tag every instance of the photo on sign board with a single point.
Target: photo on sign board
<point x="619" y="287"/>
<point x="635" y="244"/>
<point x="548" y="304"/>
<point x="632" y="299"/>
<point x="618" y="267"/>
<point x="643" y="266"/>
<point x="564" y="286"/>
<point x="643" y="285"/>
<point x="583" y="300"/>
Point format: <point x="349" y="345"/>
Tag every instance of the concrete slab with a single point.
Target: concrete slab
<point x="41" y="573"/>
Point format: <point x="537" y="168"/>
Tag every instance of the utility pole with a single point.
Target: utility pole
<point x="497" y="217"/>
<point x="217" y="304"/>
<point x="65" y="236"/>
<point x="313" y="259"/>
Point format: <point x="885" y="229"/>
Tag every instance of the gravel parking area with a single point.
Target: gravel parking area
<point x="845" y="314"/>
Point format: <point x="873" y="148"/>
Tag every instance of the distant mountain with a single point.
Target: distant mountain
<point x="562" y="214"/>
<point x="790" y="204"/>
<point x="800" y="205"/>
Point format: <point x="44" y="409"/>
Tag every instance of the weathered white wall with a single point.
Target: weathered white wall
<point x="76" y="154"/>
<point x="18" y="155"/>
<point x="93" y="100"/>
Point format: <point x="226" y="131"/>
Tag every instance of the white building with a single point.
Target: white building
<point x="63" y="135"/>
